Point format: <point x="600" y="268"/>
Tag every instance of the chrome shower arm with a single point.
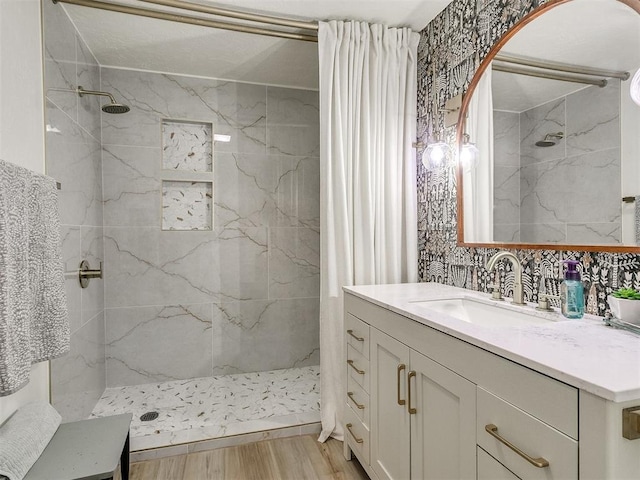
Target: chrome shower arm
<point x="81" y="91"/>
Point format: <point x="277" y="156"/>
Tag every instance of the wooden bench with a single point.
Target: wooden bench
<point x="87" y="449"/>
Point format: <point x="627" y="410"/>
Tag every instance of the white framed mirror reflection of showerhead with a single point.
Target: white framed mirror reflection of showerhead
<point x="557" y="130"/>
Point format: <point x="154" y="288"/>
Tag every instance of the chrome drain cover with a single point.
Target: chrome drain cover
<point x="147" y="417"/>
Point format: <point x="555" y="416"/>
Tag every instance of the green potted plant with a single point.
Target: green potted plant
<point x="625" y="304"/>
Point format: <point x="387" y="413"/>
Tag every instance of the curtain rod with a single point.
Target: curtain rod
<point x="566" y="77"/>
<point x="224" y="12"/>
<point x="203" y="22"/>
<point x="561" y="67"/>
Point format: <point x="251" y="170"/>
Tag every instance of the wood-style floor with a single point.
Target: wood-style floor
<point x="294" y="458"/>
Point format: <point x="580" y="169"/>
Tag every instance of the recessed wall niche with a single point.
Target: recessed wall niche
<point x="187" y="146"/>
<point x="187" y="175"/>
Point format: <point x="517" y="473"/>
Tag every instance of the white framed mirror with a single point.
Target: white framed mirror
<point x="557" y="132"/>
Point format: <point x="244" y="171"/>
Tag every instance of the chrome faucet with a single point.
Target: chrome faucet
<point x="517" y="271"/>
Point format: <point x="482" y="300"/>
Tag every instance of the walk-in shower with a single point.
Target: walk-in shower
<point x="206" y="323"/>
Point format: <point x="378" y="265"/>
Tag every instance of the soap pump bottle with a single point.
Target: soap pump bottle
<point x="572" y="291"/>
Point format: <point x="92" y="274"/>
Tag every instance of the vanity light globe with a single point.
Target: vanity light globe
<point x="634" y="89"/>
<point x="435" y="154"/>
<point x="469" y="156"/>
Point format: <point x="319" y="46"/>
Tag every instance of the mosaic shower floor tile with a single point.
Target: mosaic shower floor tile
<point x="215" y="407"/>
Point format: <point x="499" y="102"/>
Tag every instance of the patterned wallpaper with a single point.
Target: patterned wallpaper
<point x="450" y="50"/>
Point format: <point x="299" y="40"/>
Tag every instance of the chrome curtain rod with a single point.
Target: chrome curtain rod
<point x="561" y="67"/>
<point x="224" y="12"/>
<point x="203" y="22"/>
<point x="566" y="77"/>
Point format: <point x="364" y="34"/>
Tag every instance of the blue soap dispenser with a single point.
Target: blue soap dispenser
<point x="572" y="291"/>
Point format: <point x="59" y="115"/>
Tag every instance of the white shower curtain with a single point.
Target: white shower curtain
<point x="478" y="181"/>
<point x="368" y="219"/>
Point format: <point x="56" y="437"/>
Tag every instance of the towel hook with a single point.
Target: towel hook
<point x="85" y="273"/>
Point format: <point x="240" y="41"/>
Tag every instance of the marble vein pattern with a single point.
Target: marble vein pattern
<point x="74" y="159"/>
<point x="294" y="256"/>
<point x="151" y="267"/>
<point x="60" y="76"/>
<point x="153" y="344"/>
<point x="131" y="186"/>
<point x="186" y="205"/>
<point x="251" y="335"/>
<point x="92" y="250"/>
<point x="593" y="119"/>
<point x="232" y="108"/>
<point x="217" y="406"/>
<point x="562" y="190"/>
<point x="535" y="124"/>
<point x="187" y="146"/>
<point x="78" y="378"/>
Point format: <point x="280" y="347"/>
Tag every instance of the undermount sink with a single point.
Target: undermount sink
<point x="488" y="314"/>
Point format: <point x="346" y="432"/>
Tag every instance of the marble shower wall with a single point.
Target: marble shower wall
<point x="450" y="50"/>
<point x="73" y="158"/>
<point x="242" y="296"/>
<point x="560" y="201"/>
<point x="532" y="202"/>
<point x="506" y="176"/>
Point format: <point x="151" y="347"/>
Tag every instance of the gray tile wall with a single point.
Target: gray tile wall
<point x="73" y="157"/>
<point x="557" y="211"/>
<point x="506" y="176"/>
<point x="244" y="296"/>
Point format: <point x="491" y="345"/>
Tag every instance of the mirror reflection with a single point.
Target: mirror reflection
<point x="557" y="132"/>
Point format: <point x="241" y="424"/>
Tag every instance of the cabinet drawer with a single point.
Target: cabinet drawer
<point x="358" y="368"/>
<point x="358" y="400"/>
<point x="357" y="436"/>
<point x="357" y="333"/>
<point x="491" y="469"/>
<point x="527" y="433"/>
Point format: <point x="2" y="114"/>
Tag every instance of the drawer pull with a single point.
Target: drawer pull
<point x="401" y="368"/>
<point x="538" y="462"/>
<point x="350" y="362"/>
<point x="412" y="410"/>
<point x="358" y="440"/>
<point x="360" y="339"/>
<point x="359" y="405"/>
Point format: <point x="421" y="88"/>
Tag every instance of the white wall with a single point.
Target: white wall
<point x="21" y="129"/>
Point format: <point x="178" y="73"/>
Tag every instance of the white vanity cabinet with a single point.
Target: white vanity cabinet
<point x="433" y="401"/>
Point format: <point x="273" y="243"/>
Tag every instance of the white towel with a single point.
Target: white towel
<point x="34" y="323"/>
<point x="24" y="436"/>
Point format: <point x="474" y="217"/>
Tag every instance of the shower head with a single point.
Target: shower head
<point x="113" y="107"/>
<point x="550" y="139"/>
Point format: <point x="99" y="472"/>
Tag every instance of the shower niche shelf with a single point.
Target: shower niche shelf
<point x="187" y="145"/>
<point x="187" y="175"/>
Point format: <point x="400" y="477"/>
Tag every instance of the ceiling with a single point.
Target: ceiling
<point x="572" y="33"/>
<point x="128" y="41"/>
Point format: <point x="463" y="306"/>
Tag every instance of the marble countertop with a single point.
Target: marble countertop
<point x="584" y="353"/>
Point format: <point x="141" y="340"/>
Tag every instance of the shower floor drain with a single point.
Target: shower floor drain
<point x="147" y="417"/>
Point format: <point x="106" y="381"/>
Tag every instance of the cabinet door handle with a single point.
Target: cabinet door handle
<point x="350" y="362"/>
<point x="359" y="405"/>
<point x="412" y="374"/>
<point x="538" y="462"/>
<point x="358" y="440"/>
<point x="401" y="368"/>
<point x="360" y="339"/>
